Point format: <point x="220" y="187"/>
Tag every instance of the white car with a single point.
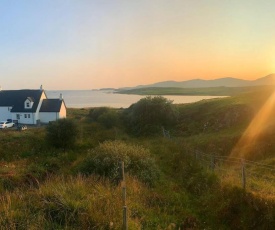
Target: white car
<point x="6" y="124"/>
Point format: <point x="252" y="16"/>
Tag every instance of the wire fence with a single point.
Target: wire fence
<point x="250" y="175"/>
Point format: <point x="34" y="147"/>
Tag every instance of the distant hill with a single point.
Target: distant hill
<point x="203" y="91"/>
<point x="267" y="80"/>
<point x="200" y="83"/>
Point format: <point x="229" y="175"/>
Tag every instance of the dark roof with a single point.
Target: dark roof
<point x="16" y="99"/>
<point x="51" y="105"/>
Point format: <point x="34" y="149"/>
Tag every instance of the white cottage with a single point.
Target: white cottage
<point x="30" y="106"/>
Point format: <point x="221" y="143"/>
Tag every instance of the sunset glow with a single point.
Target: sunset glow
<point x="94" y="44"/>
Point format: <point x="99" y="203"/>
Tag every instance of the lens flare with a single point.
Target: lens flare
<point x="251" y="135"/>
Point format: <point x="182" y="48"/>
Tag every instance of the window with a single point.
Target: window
<point x="29" y="116"/>
<point x="17" y="116"/>
<point x="25" y="115"/>
<point x="28" y="104"/>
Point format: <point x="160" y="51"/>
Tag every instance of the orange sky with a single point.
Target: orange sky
<point x="95" y="44"/>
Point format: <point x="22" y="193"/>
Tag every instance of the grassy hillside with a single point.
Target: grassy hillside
<point x="223" y="121"/>
<point x="42" y="187"/>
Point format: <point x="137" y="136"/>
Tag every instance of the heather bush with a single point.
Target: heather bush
<point x="106" y="159"/>
<point x="62" y="133"/>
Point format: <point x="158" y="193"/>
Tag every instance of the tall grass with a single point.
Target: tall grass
<point x="69" y="203"/>
<point x="89" y="203"/>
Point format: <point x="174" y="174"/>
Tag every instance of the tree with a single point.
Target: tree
<point x="149" y="114"/>
<point x="62" y="133"/>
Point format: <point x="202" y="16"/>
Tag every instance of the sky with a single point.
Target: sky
<point x="88" y="44"/>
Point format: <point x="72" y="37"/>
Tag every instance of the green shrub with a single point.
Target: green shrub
<point x="95" y="113"/>
<point x="107" y="117"/>
<point x="149" y="114"/>
<point x="62" y="133"/>
<point x="105" y="160"/>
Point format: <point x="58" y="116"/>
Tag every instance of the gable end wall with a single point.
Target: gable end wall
<point x="5" y="113"/>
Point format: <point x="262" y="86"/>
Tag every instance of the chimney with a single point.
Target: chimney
<point x="61" y="97"/>
<point x="41" y="87"/>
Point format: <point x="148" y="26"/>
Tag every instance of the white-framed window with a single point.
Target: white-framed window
<point x="17" y="116"/>
<point x="25" y="115"/>
<point x="29" y="116"/>
<point x="28" y="104"/>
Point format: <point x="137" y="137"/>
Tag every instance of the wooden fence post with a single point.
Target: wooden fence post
<point x="125" y="221"/>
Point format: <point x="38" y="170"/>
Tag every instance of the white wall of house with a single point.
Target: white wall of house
<point x="28" y="118"/>
<point x="46" y="117"/>
<point x="5" y="113"/>
<point x="24" y="118"/>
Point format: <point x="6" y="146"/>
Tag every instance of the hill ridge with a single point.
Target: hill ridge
<point x="203" y="83"/>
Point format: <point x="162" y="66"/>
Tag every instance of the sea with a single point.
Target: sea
<point x="108" y="98"/>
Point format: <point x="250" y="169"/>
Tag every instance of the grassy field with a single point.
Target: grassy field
<point x="42" y="187"/>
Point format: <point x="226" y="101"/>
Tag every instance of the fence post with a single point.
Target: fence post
<point x="243" y="175"/>
<point x="125" y="222"/>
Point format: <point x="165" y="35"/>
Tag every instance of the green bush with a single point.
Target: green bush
<point x="149" y="114"/>
<point x="106" y="159"/>
<point x="95" y="113"/>
<point x="62" y="133"/>
<point x="107" y="117"/>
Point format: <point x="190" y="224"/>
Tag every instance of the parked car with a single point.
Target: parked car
<point x="6" y="124"/>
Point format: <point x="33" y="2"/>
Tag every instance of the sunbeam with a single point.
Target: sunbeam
<point x="255" y="128"/>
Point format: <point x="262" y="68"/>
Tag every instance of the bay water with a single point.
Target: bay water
<point x="99" y="98"/>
